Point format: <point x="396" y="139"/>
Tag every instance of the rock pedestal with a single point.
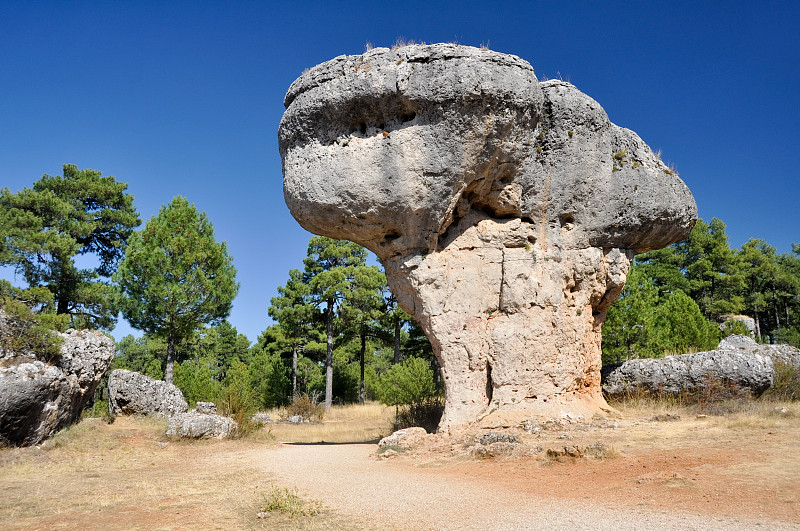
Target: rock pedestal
<point x="505" y="211"/>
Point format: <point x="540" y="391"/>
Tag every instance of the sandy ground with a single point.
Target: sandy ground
<point x="707" y="473"/>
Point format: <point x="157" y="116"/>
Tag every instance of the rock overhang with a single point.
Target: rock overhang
<point x="393" y="146"/>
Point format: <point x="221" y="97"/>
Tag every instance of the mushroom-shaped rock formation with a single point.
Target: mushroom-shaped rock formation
<point x="505" y="211"/>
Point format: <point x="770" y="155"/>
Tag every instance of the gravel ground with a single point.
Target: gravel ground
<point x="396" y="494"/>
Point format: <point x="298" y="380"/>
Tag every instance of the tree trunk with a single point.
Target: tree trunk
<point x="361" y="397"/>
<point x="329" y="357"/>
<point x="758" y="326"/>
<point x="170" y="359"/>
<point x="294" y="372"/>
<point x="775" y="306"/>
<point x="397" y="329"/>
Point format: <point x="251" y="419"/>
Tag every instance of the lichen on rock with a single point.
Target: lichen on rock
<point x="505" y="211"/>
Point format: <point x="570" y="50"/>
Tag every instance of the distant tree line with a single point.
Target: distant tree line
<point x="678" y="299"/>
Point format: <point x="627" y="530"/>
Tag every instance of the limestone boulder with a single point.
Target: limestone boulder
<point x="405" y="438"/>
<point x="738" y="364"/>
<point x="198" y="425"/>
<point x="505" y="211"/>
<point x="785" y="354"/>
<point x="131" y="393"/>
<point x="720" y="371"/>
<point x="37" y="399"/>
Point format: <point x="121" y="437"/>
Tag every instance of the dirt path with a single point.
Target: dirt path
<point x="399" y="494"/>
<point x="710" y="473"/>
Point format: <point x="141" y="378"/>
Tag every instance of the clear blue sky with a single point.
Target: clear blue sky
<point x="185" y="98"/>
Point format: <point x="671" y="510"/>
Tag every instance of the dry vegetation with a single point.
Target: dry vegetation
<point x="737" y="458"/>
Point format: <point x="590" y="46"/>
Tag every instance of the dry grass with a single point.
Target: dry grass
<point x="348" y="423"/>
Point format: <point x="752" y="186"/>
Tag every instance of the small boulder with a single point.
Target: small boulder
<point x="496" y="436"/>
<point x="131" y="393"/>
<point x="404" y="438"/>
<point x="196" y="425"/>
<point x="208" y="408"/>
<point x="260" y="419"/>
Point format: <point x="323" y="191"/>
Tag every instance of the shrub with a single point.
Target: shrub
<point x="307" y="406"/>
<point x="286" y="500"/>
<point x="407" y="383"/>
<point x="27" y="328"/>
<point x="237" y="399"/>
<point x="426" y="414"/>
<point x="786" y="385"/>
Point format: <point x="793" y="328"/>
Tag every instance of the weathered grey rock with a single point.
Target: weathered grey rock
<point x="496" y="436"/>
<point x="505" y="211"/>
<point x="785" y="354"/>
<point x="261" y="418"/>
<point x="131" y="393"/>
<point x="746" y="320"/>
<point x="37" y="399"/>
<point x="196" y="425"/>
<point x="209" y="408"/>
<point x="691" y="373"/>
<point x="404" y="438"/>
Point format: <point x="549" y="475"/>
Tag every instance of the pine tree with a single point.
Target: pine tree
<point x="43" y="229"/>
<point x="175" y="277"/>
<point x="329" y="270"/>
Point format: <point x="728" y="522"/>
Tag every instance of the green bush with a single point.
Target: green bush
<point x="407" y="383"/>
<point x="195" y="379"/>
<point x="28" y="327"/>
<point x="426" y="414"/>
<point x="786" y="385"/>
<point x="237" y="399"/>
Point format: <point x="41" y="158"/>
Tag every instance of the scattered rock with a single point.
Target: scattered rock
<point x="599" y="450"/>
<point x="37" y="399"/>
<point x="404" y="438"/>
<point x="196" y="425"/>
<point x="566" y="451"/>
<point x="531" y="427"/>
<point x="208" y="408"/>
<point x="496" y="449"/>
<point x="496" y="436"/>
<point x="665" y="417"/>
<point x="260" y="418"/>
<point x="297" y="419"/>
<point x="387" y="453"/>
<point x="131" y="393"/>
<point x="505" y="211"/>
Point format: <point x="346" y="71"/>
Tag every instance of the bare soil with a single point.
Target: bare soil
<point x="740" y="471"/>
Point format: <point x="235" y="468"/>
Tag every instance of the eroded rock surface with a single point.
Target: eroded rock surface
<point x="198" y="425"/>
<point x="739" y="364"/>
<point x="505" y="211"/>
<point x="37" y="399"/>
<point x="131" y="393"/>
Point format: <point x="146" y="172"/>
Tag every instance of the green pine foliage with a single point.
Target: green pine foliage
<point x="26" y="328"/>
<point x="407" y="383"/>
<point x="677" y="299"/>
<point x="43" y="229"/>
<point x="175" y="277"/>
